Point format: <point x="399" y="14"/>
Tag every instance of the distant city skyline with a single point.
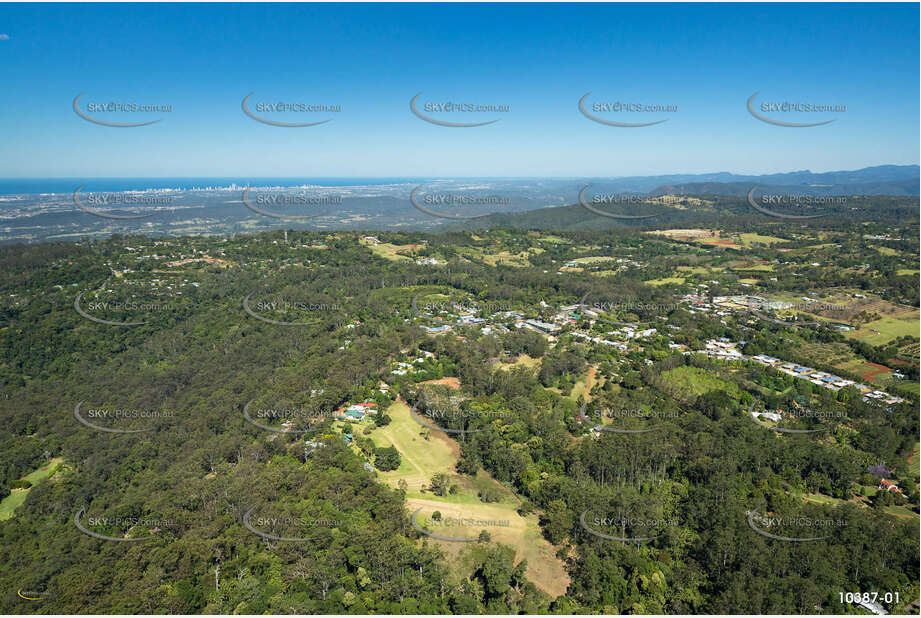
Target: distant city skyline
<point x="698" y="66"/>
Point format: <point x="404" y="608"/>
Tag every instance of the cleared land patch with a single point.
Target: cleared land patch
<point x="422" y="459"/>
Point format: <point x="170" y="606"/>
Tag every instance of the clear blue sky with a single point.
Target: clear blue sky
<point x="537" y="59"/>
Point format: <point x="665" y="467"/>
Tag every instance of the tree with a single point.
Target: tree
<point x="387" y="458"/>
<point x="439" y="484"/>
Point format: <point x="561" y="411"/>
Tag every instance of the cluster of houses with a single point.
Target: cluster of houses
<point x="403" y="368"/>
<point x="728" y="350"/>
<point x="357" y="411"/>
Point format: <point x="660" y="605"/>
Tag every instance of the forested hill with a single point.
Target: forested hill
<point x="150" y="369"/>
<point x="673" y="207"/>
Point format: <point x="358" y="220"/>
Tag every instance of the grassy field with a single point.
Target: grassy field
<point x="749" y="239"/>
<point x="583" y="386"/>
<point x="389" y="251"/>
<point x="886" y="250"/>
<point x="699" y="236"/>
<point x="497" y="257"/>
<point x="694" y="270"/>
<point x="593" y="259"/>
<point x="18" y="496"/>
<point x="665" y="280"/>
<point x="422" y="459"/>
<point x="886" y="329"/>
<point x="687" y="381"/>
<point x="523" y="360"/>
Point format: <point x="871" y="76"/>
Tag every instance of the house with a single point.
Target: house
<point x="889" y="486"/>
<point x="310" y="446"/>
<point x="771" y="416"/>
<point x="543" y="327"/>
<point x="434" y="330"/>
<point x="357" y="411"/>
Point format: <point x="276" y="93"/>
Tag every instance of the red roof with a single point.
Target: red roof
<point x="889" y="485"/>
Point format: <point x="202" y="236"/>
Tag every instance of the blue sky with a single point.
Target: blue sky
<point x="539" y="60"/>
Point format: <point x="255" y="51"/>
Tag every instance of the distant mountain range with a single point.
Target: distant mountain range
<point x="878" y="180"/>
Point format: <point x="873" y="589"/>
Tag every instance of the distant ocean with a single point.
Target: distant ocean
<point x="11" y="186"/>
